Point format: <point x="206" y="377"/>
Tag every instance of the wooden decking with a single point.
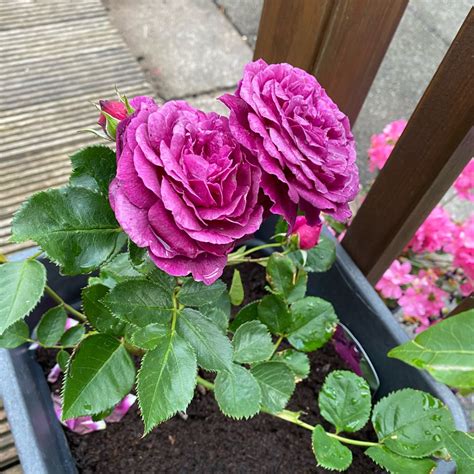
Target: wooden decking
<point x="56" y="57"/>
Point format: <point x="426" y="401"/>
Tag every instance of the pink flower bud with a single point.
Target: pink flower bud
<point x="114" y="108"/>
<point x="121" y="409"/>
<point x="308" y="235"/>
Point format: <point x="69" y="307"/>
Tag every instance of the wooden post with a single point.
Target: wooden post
<point x="434" y="148"/>
<point x="465" y="305"/>
<point x="341" y="42"/>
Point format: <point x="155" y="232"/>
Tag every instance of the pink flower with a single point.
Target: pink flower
<point x="301" y="140"/>
<point x="464" y="184"/>
<point x="423" y="298"/>
<point x="54" y="374"/>
<point x="308" y="235"/>
<point x="121" y="409"/>
<point x="437" y="232"/>
<point x="185" y="189"/>
<point x="398" y="274"/>
<point x="114" y="108"/>
<point x="382" y="144"/>
<point x="464" y="253"/>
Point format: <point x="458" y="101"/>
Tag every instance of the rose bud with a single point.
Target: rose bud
<point x="308" y="234"/>
<point x="112" y="112"/>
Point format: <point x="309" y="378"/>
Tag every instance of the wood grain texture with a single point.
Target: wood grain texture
<point x="355" y="41"/>
<point x="434" y="148"/>
<point x="291" y="31"/>
<point x="465" y="305"/>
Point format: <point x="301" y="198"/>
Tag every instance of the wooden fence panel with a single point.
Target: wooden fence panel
<point x="434" y="148"/>
<point x="342" y="42"/>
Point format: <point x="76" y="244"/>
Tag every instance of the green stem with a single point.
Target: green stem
<point x="277" y="345"/>
<point x="292" y="417"/>
<point x="247" y="260"/>
<point x="35" y="255"/>
<point x="66" y="306"/>
<point x="49" y="347"/>
<point x="174" y="310"/>
<point x="253" y="249"/>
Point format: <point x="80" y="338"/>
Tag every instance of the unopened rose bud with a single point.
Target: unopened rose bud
<point x="112" y="112"/>
<point x="308" y="235"/>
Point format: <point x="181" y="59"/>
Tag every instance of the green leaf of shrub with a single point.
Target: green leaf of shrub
<point x="273" y="312"/>
<point x="329" y="452"/>
<point x="297" y="361"/>
<point x="409" y="422"/>
<point x="140" y="302"/>
<point x="94" y="168"/>
<point x="62" y="358"/>
<point x="149" y="336"/>
<point x="237" y="393"/>
<point x="277" y="384"/>
<point x="72" y="336"/>
<point x="75" y="227"/>
<point x="119" y="269"/>
<point x="51" y="327"/>
<point x="321" y="258"/>
<point x="280" y="273"/>
<point x="99" y="375"/>
<point x="195" y="294"/>
<point x="22" y="287"/>
<point x="314" y="323"/>
<point x="213" y="349"/>
<point x="166" y="380"/>
<point x="247" y="313"/>
<point x="97" y="313"/>
<point x="445" y="350"/>
<point x="15" y="335"/>
<point x="461" y="448"/>
<point x="396" y="464"/>
<point x="252" y="343"/>
<point x="218" y="311"/>
<point x="236" y="291"/>
<point x="345" y="401"/>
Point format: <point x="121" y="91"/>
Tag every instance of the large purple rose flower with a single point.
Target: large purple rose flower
<point x="302" y="141"/>
<point x="184" y="189"/>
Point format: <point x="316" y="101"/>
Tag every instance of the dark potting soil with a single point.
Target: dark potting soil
<point x="209" y="442"/>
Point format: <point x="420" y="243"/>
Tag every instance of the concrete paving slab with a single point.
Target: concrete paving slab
<point x="210" y="102"/>
<point x="186" y="47"/>
<point x="245" y="16"/>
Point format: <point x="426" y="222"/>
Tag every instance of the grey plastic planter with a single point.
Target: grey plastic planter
<point x="39" y="438"/>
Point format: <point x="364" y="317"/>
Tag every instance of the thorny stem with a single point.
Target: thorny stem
<point x="292" y="417"/>
<point x="66" y="306"/>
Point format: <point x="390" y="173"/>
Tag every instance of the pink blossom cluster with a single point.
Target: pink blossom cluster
<point x="464" y="184"/>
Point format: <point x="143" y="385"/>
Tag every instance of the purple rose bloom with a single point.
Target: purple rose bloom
<point x="184" y="189"/>
<point x="302" y="141"/>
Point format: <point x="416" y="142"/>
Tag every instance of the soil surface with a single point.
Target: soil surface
<point x="207" y="441"/>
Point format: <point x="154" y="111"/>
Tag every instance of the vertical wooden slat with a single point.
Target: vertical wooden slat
<point x="434" y="148"/>
<point x="291" y="31"/>
<point x="354" y="44"/>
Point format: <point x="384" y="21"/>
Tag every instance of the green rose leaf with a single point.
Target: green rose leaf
<point x="236" y="291"/>
<point x="94" y="168"/>
<point x="213" y="349"/>
<point x="321" y="258"/>
<point x="297" y="361"/>
<point x="195" y="294"/>
<point x="345" y="401"/>
<point x="97" y="313"/>
<point x="252" y="343"/>
<point x="140" y="302"/>
<point x="237" y="393"/>
<point x="15" y="335"/>
<point x="149" y="336"/>
<point x="166" y="380"/>
<point x="409" y="422"/>
<point x="277" y="383"/>
<point x="314" y="323"/>
<point x="75" y="227"/>
<point x="396" y="464"/>
<point x="119" y="269"/>
<point x="460" y="446"/>
<point x="329" y="452"/>
<point x="299" y="290"/>
<point x="280" y="274"/>
<point x="273" y="311"/>
<point x="99" y="375"/>
<point x="72" y="336"/>
<point x="445" y="350"/>
<point x="22" y="287"/>
<point x="62" y="358"/>
<point x="51" y="327"/>
<point x="247" y="313"/>
<point x="218" y="311"/>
